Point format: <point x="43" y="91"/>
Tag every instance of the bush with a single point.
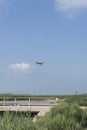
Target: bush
<point x="84" y="119"/>
<point x="10" y="122"/>
<point x="64" y="117"/>
<point x="57" y="123"/>
<point x="61" y="117"/>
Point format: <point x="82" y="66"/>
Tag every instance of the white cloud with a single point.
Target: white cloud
<point x="71" y="6"/>
<point x="19" y="67"/>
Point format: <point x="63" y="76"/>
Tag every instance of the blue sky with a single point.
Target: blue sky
<point x="53" y="31"/>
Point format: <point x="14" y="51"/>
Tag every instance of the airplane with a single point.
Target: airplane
<point x="39" y="63"/>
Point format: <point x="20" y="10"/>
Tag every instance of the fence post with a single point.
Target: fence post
<point x="15" y="102"/>
<point x="4" y="101"/>
<point x="48" y="102"/>
<point x="29" y="102"/>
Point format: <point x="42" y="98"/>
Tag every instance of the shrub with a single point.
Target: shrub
<point x="65" y="117"/>
<point x="84" y="119"/>
<point x="10" y="122"/>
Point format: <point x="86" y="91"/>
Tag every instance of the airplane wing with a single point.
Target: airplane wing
<point x="40" y="63"/>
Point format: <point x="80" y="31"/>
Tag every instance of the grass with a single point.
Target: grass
<point x="15" y="122"/>
<point x="62" y="117"/>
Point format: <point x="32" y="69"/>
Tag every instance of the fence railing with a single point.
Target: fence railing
<point x="26" y="101"/>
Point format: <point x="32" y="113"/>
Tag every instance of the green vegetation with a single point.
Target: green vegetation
<point x="81" y="100"/>
<point x="61" y="117"/>
<point x="15" y="122"/>
<point x="64" y="117"/>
